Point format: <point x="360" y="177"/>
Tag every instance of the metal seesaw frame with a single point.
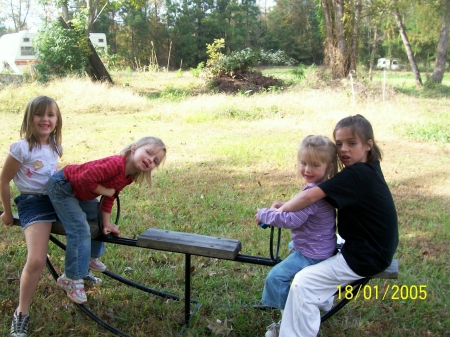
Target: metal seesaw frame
<point x="271" y="261"/>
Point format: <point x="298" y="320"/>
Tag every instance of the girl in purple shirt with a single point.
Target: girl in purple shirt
<point x="313" y="228"/>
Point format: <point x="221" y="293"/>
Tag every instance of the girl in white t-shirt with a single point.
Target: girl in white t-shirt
<point x="30" y="162"/>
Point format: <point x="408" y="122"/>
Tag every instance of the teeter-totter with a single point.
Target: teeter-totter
<point x="193" y="244"/>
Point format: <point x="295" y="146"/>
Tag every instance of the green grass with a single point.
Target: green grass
<point x="227" y="156"/>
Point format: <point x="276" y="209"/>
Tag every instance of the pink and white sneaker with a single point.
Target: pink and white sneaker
<point x="73" y="288"/>
<point x="96" y="265"/>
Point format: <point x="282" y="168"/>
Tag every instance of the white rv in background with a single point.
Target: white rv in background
<point x="99" y="41"/>
<point x="394" y="64"/>
<point x="17" y="52"/>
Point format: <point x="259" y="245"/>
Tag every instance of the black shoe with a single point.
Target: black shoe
<point x="91" y="281"/>
<point x="19" y="325"/>
<point x="264" y="307"/>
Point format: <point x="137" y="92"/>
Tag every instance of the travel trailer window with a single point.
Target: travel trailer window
<point x="26" y="51"/>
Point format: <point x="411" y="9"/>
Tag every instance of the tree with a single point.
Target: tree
<point x="89" y="9"/>
<point x="61" y="51"/>
<point x="17" y="12"/>
<point x="292" y="26"/>
<point x="405" y="40"/>
<point x="341" y="19"/>
<point x="441" y="52"/>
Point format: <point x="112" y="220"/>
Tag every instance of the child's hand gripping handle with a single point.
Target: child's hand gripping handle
<point x="100" y="217"/>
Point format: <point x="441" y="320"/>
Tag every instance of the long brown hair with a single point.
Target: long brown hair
<point x="37" y="106"/>
<point x="360" y="126"/>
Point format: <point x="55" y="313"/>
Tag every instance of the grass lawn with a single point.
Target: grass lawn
<point x="227" y="156"/>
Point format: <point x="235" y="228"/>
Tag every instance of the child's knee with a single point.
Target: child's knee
<point x="36" y="263"/>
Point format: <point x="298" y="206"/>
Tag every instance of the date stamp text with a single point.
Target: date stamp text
<point x="390" y="292"/>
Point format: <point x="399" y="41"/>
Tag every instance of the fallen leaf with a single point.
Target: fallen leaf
<point x="218" y="328"/>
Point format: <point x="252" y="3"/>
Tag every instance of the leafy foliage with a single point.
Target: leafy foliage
<point x="241" y="61"/>
<point x="197" y="71"/>
<point x="61" y="51"/>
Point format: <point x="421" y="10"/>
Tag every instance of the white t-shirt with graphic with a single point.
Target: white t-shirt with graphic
<point x="37" y="166"/>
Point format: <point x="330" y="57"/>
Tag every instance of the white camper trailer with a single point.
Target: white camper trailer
<point x="385" y="63"/>
<point x="17" y="52"/>
<point x="99" y="41"/>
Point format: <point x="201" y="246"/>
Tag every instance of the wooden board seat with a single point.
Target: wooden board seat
<point x="57" y="227"/>
<point x="391" y="272"/>
<point x="188" y="243"/>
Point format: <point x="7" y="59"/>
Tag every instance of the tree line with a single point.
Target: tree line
<point x="341" y="34"/>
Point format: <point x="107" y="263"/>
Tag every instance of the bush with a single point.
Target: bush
<point x="61" y="51"/>
<point x="241" y="61"/>
<point x="197" y="71"/>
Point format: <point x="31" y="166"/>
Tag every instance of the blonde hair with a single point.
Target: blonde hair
<point x="157" y="145"/>
<point x="37" y="106"/>
<point x="322" y="149"/>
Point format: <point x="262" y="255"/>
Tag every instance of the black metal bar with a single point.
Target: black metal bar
<point x="116" y="240"/>
<point x="187" y="288"/>
<point x="263" y="261"/>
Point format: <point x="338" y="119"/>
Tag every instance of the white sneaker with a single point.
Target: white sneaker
<point x="273" y="330"/>
<point x="73" y="288"/>
<point x="96" y="265"/>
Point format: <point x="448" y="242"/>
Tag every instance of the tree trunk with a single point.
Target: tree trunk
<point x="355" y="37"/>
<point x="372" y="52"/>
<point x="329" y="42"/>
<point x="65" y="11"/>
<point x="409" y="52"/>
<point x="339" y="68"/>
<point x="92" y="7"/>
<point x="441" y="53"/>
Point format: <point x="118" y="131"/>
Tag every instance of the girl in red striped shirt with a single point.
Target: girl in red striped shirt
<point x="77" y="184"/>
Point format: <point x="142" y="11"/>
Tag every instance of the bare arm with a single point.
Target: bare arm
<point x="108" y="227"/>
<point x="9" y="170"/>
<point x="102" y="190"/>
<point x="302" y="200"/>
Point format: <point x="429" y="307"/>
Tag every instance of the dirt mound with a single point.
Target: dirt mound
<point x="250" y="82"/>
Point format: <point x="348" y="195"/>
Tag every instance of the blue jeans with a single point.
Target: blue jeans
<point x="74" y="215"/>
<point x="278" y="281"/>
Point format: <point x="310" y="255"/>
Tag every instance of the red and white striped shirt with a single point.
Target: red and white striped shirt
<point x="108" y="172"/>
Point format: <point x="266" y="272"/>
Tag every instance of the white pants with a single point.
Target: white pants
<point x="311" y="288"/>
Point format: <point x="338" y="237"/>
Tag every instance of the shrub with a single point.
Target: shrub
<point x="61" y="51"/>
<point x="241" y="61"/>
<point x="197" y="71"/>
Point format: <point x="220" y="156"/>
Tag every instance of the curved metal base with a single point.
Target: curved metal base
<point x="189" y="316"/>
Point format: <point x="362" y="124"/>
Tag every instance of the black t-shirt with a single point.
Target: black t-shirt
<point x="367" y="218"/>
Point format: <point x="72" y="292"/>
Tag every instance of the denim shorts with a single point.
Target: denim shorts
<point x="34" y="208"/>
